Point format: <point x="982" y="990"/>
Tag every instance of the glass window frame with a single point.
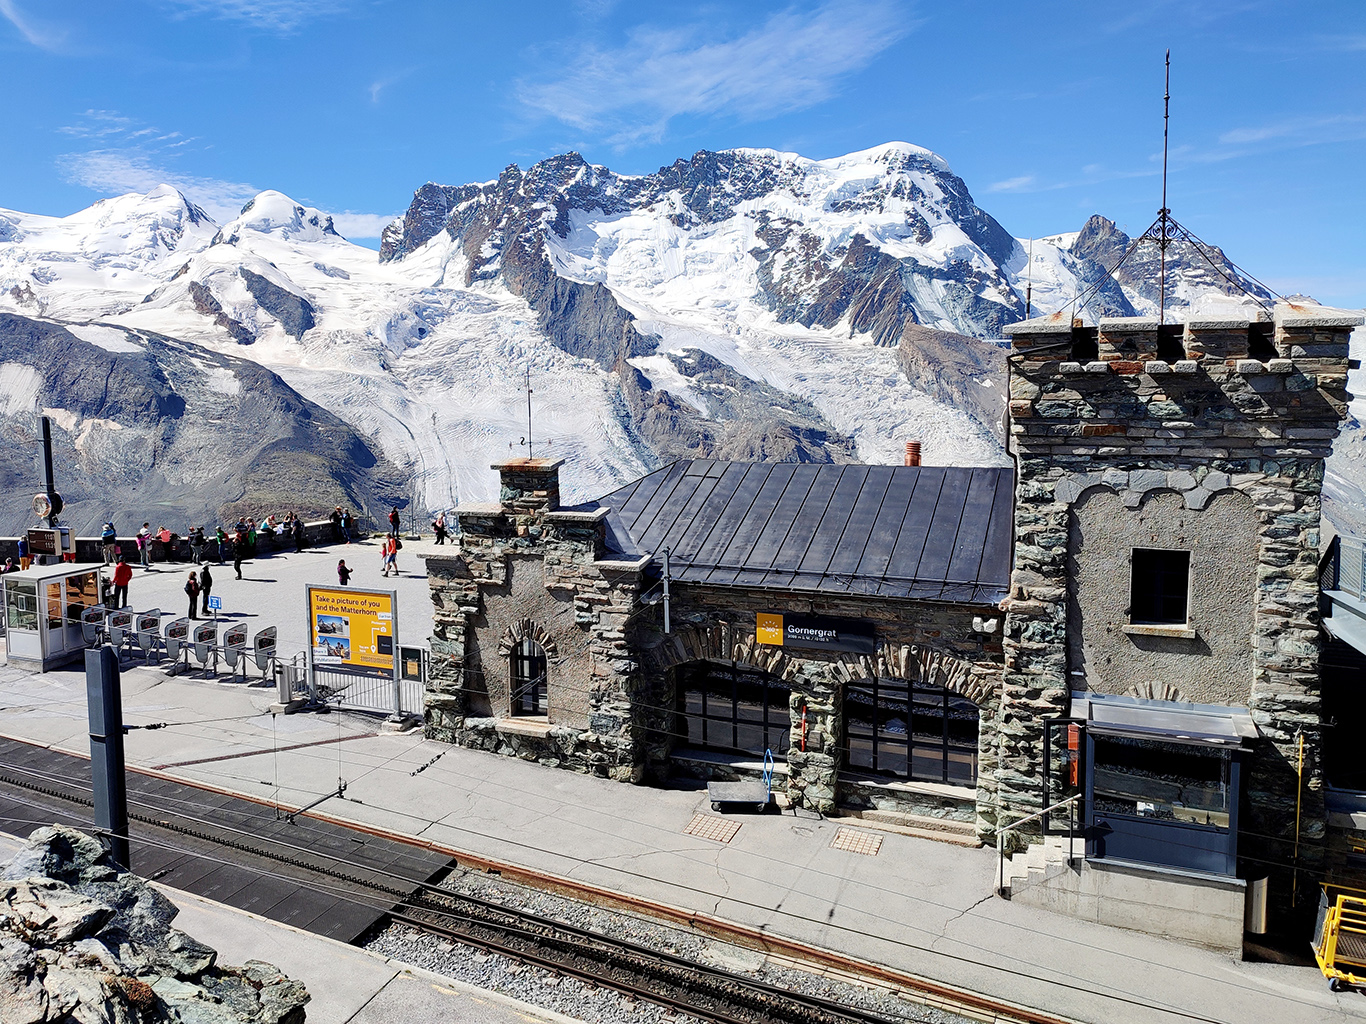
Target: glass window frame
<point x="914" y="698"/>
<point x="15" y="614"/>
<point x="722" y="716"/>
<point x="529" y="691"/>
<point x="1150" y="592"/>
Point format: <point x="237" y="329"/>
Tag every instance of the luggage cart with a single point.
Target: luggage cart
<point x="758" y="793"/>
<point x="1340" y="941"/>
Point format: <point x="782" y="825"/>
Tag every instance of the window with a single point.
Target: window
<point x="733" y="708"/>
<point x="528" y="678"/>
<point x="1164" y="781"/>
<point x="1159" y="586"/>
<point x="910" y="731"/>
<point x="21" y="605"/>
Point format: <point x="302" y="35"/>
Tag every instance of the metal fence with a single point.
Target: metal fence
<point x="1351" y="567"/>
<point x="375" y="694"/>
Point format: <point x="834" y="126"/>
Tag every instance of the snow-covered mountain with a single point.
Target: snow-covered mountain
<point x="747" y="304"/>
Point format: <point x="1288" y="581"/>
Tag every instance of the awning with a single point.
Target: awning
<point x="1206" y="725"/>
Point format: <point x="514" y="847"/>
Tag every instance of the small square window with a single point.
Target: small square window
<point x="1159" y="587"/>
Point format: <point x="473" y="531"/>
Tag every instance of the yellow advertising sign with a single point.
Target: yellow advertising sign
<point x="351" y="628"/>
<point x="768" y="628"/>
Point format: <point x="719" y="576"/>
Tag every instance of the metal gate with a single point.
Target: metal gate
<point x="374" y="693"/>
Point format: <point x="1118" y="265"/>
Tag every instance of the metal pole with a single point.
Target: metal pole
<point x="1162" y="214"/>
<point x="106" y="748"/>
<point x="666" y="592"/>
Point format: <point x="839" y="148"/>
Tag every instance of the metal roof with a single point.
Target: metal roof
<point x="929" y="533"/>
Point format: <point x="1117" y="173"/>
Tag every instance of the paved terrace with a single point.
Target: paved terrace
<point x="918" y="905"/>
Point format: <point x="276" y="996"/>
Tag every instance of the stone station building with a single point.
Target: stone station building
<point x="842" y="617"/>
<point x="1130" y="618"/>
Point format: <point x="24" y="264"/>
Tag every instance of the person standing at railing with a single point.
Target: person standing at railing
<point x="394" y="521"/>
<point x="24" y="558"/>
<point x="222" y="536"/>
<point x="109" y="542"/>
<point x="145" y="545"/>
<point x="123" y="574"/>
<point x="205" y="586"/>
<point x="192" y="592"/>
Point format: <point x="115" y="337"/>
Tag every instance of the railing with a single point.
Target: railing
<point x="1070" y="803"/>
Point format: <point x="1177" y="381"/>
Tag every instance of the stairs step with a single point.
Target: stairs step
<point x="921" y="821"/>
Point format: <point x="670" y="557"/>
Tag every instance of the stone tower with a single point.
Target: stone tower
<point x="1209" y="437"/>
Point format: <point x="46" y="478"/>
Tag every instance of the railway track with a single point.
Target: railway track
<point x="702" y="991"/>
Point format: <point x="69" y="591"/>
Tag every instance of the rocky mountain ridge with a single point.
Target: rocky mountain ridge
<point x="740" y="304"/>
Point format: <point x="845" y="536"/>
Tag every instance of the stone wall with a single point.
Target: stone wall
<point x="525" y="567"/>
<point x="1211" y="422"/>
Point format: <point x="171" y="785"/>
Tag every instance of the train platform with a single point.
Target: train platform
<point x="346" y="985"/>
<point x="918" y="907"/>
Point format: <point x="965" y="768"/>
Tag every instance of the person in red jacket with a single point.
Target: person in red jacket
<point x="123" y="573"/>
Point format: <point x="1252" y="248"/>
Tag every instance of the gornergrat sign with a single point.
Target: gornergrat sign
<point x="779" y="629"/>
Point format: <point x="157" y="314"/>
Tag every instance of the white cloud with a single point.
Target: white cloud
<point x="361" y="225"/>
<point x="41" y="36"/>
<point x="1020" y="184"/>
<point x="277" y="15"/>
<point x="116" y="171"/>
<point x="793" y="61"/>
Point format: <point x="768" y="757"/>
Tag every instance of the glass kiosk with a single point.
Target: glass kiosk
<point x="43" y="607"/>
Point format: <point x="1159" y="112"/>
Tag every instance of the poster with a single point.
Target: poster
<point x="352" y="629"/>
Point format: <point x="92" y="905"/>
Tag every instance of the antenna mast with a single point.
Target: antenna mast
<point x="530" y="454"/>
<point x="1029" y="285"/>
<point x="1163" y="237"/>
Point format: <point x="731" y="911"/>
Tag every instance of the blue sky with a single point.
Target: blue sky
<point x="1050" y="111"/>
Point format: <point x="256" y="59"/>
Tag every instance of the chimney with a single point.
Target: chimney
<point x="912" y="453"/>
<point x="529" y="486"/>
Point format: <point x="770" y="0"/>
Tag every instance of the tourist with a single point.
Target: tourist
<point x="439" y="527"/>
<point x="394" y="521"/>
<point x="222" y="536"/>
<point x="24" y="559"/>
<point x="205" y="586"/>
<point x="239" y="551"/>
<point x="123" y="574"/>
<point x="109" y="542"/>
<point x="192" y="591"/>
<point x="343" y="573"/>
<point x="9" y="567"/>
<point x="145" y="545"/>
<point x="196" y="539"/>
<point x="336" y="519"/>
<point x="296" y="529"/>
<point x="347" y="524"/>
<point x="251" y="536"/>
<point x="389" y="552"/>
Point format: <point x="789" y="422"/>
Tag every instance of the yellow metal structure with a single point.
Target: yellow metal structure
<point x="1340" y="941"/>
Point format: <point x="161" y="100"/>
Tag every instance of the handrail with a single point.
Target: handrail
<point x="1001" y="831"/>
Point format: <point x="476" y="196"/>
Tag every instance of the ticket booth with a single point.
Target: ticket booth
<point x="43" y="607"/>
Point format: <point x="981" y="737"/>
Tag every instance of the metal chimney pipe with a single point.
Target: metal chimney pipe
<point x="912" y="453"/>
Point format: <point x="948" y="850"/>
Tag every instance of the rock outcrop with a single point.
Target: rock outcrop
<point x="83" y="941"/>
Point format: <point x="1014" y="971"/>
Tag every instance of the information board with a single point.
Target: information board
<point x="779" y="629"/>
<point x="353" y="629"/>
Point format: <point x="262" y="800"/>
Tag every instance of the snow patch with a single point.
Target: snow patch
<point x="111" y="339"/>
<point x="20" y="385"/>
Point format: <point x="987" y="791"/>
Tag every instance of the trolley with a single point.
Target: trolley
<point x="758" y="792"/>
<point x="1340" y="941"/>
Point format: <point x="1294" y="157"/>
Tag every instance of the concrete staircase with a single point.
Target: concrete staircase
<point x="1038" y="866"/>
<point x="941" y="830"/>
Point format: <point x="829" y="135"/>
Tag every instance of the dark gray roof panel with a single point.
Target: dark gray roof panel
<point x="928" y="533"/>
